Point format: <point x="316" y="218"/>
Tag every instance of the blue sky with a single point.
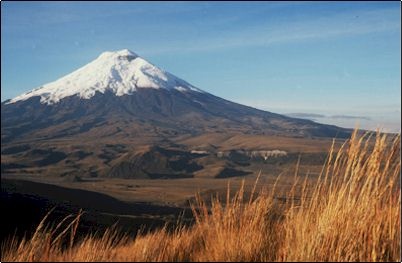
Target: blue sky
<point x="330" y="58"/>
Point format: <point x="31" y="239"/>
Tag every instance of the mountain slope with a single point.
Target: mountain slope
<point x="121" y="86"/>
<point x="123" y="98"/>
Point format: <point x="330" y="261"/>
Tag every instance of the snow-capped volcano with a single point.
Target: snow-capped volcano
<point x="121" y="94"/>
<point x="121" y="72"/>
<point x="106" y="117"/>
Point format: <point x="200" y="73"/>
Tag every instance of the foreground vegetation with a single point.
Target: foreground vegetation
<point x="351" y="213"/>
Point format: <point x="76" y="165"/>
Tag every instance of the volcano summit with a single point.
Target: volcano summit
<point x="122" y="72"/>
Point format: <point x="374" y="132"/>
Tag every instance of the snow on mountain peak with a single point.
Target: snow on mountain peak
<point x="122" y="72"/>
<point x="121" y="54"/>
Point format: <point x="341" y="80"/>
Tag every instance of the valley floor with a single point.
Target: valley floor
<point x="349" y="212"/>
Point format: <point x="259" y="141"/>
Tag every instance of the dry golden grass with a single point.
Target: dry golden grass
<point x="352" y="213"/>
